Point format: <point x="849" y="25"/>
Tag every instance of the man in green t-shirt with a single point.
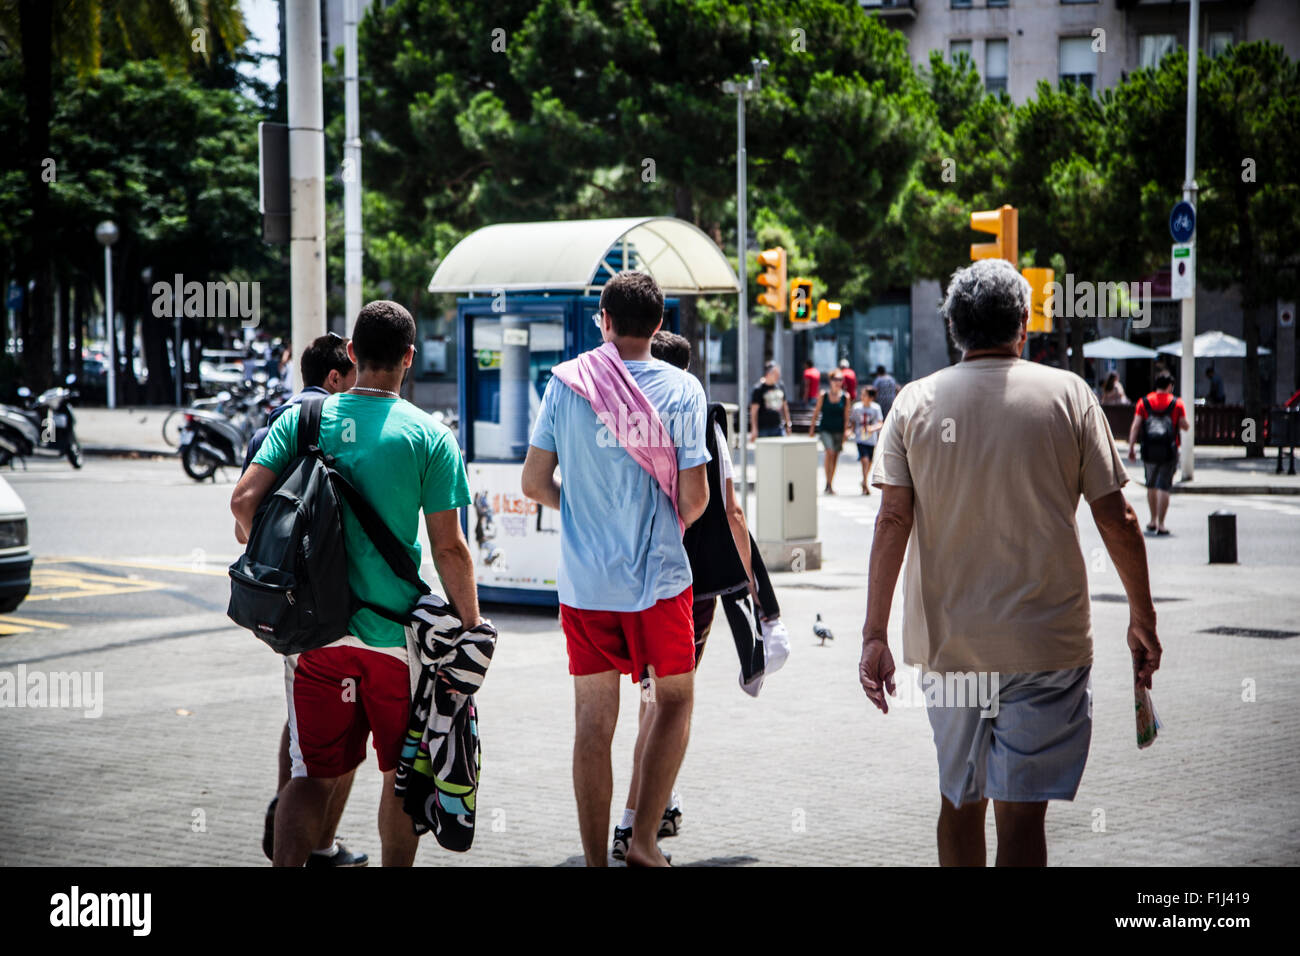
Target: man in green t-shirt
<point x="404" y="463"/>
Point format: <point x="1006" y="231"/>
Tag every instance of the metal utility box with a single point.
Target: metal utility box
<point x="785" y="492"/>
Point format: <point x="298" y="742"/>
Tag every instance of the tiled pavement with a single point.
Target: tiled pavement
<point x="805" y="774"/>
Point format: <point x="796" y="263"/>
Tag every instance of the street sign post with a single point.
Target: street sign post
<point x="1182" y="271"/>
<point x="1182" y="221"/>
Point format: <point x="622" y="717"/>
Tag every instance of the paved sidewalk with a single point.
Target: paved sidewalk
<point x="123" y="431"/>
<point x="179" y="768"/>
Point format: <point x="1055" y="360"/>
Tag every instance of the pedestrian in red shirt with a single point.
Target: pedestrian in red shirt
<point x="850" y="378"/>
<point x="812" y="381"/>
<point x="1158" y="417"/>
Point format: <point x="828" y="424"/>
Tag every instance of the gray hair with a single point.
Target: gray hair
<point x="986" y="303"/>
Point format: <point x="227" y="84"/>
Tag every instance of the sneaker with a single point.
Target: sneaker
<point x="622" y="837"/>
<point x="671" y="823"/>
<point x="268" y="829"/>
<point x="344" y="857"/>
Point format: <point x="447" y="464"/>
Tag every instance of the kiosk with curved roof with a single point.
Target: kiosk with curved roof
<point x="579" y="255"/>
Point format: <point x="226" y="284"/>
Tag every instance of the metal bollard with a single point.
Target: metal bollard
<point x="1223" y="537"/>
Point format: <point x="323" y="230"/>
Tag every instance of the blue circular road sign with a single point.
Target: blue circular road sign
<point x="1182" y="221"/>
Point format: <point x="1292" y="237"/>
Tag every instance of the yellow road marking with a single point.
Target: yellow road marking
<point x="147" y="565"/>
<point x="33" y="623"/>
<point x="51" y="585"/>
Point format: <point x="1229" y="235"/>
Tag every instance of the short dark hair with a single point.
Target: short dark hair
<point x="671" y="348"/>
<point x="635" y="304"/>
<point x="1164" y="380"/>
<point x="880" y="370"/>
<point x="329" y="353"/>
<point x="986" y="305"/>
<point x="382" y="334"/>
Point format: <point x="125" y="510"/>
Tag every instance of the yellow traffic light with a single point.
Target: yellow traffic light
<point x="1040" y="295"/>
<point x="1004" y="223"/>
<point x="800" y="301"/>
<point x="772" y="278"/>
<point x="826" y="311"/>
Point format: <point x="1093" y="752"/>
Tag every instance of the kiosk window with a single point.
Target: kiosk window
<point x="513" y="357"/>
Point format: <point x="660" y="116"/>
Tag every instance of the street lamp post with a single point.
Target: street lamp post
<point x="1187" y="369"/>
<point x="750" y="85"/>
<point x="106" y="233"/>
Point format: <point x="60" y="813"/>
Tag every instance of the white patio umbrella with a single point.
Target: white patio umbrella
<point x="1117" y="349"/>
<point x="1212" y="345"/>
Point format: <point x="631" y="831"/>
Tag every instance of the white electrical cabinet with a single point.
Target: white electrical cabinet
<point x="785" y="492"/>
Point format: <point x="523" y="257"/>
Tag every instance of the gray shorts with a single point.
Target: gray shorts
<point x="1160" y="475"/>
<point x="1032" y="747"/>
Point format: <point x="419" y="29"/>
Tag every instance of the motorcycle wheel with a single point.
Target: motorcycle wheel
<point x="74" y="454"/>
<point x="197" y="464"/>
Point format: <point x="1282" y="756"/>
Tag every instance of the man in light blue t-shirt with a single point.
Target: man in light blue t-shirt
<point x="624" y="579"/>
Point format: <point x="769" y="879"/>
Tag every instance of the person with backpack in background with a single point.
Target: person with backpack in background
<point x="1157" y="420"/>
<point x="326" y="370"/>
<point x="400" y="462"/>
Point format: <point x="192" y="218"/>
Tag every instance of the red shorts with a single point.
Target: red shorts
<point x="631" y="642"/>
<point x="337" y="696"/>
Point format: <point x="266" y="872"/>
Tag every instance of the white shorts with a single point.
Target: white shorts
<point x="1031" y="747"/>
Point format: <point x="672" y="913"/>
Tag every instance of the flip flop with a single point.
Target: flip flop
<point x="1162" y="532"/>
<point x="1151" y="528"/>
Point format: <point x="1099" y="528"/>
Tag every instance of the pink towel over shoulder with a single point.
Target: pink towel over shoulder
<point x="600" y="377"/>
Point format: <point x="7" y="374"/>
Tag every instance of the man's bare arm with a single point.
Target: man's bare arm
<point x="692" y="493"/>
<point x="455" y="566"/>
<point x="538" y="479"/>
<point x="248" y="494"/>
<point x="739" y="527"/>
<point x="1121" y="532"/>
<point x="889" y="544"/>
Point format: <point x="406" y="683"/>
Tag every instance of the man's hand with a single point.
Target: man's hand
<point x="1132" y="453"/>
<point x="876" y="671"/>
<point x="1145" y="648"/>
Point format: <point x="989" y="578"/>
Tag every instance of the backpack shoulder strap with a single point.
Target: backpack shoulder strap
<point x="309" y="424"/>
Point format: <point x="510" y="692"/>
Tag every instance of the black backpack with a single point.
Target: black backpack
<point x="290" y="586"/>
<point x="1158" y="438"/>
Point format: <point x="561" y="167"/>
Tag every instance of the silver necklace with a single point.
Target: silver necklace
<point x="373" y="391"/>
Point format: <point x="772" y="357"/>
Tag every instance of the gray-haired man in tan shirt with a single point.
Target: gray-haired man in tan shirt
<point x="982" y="466"/>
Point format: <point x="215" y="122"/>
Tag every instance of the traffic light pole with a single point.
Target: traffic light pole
<point x="1187" y="371"/>
<point x="742" y="321"/>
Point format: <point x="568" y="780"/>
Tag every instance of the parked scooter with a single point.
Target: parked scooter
<point x="211" y="439"/>
<point x="44" y="427"/>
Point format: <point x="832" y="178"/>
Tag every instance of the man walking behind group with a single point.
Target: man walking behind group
<point x="326" y="370"/>
<point x="624" y="579"/>
<point x="402" y="462"/>
<point x="769" y="412"/>
<point x="886" y="387"/>
<point x="982" y="465"/>
<point x="1157" y="420"/>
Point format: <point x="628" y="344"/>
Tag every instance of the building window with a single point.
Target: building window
<point x="958" y="48"/>
<point x="997" y="3"/>
<point x="1153" y="47"/>
<point x="1218" y="42"/>
<point x="1078" y="62"/>
<point x="995" y="65"/>
<point x="958" y="4"/>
